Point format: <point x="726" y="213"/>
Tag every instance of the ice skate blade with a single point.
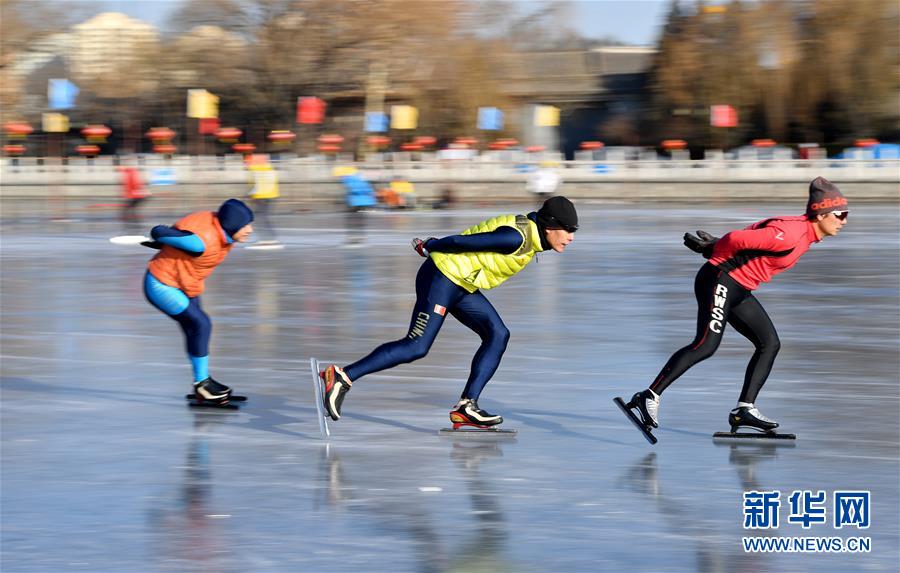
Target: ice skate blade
<point x="319" y="398"/>
<point x="635" y="420"/>
<point x="476" y="432"/>
<point x="754" y="437"/>
<point x="266" y="247"/>
<point x="230" y="399"/>
<point x="214" y="406"/>
<point x="129" y="239"/>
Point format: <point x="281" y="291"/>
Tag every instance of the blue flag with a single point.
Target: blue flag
<point x="61" y="93"/>
<point x="376" y="121"/>
<point x="490" y="119"/>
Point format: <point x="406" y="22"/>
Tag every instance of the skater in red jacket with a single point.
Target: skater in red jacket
<point x="738" y="263"/>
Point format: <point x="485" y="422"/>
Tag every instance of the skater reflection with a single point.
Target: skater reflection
<point x="715" y="550"/>
<point x="189" y="536"/>
<point x="483" y="551"/>
<point x="394" y="514"/>
<point x="745" y="457"/>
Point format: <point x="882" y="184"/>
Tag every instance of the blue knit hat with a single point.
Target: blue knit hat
<point x="233" y="215"/>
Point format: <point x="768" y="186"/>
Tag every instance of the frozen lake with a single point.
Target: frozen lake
<point x="104" y="468"/>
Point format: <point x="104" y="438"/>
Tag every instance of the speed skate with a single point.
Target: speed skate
<point x="645" y="429"/>
<point x="232" y="403"/>
<point x="464" y="431"/>
<point x="319" y="397"/>
<point x="753" y="436"/>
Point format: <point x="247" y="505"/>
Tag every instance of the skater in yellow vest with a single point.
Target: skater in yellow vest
<point x="264" y="191"/>
<point x="457" y="269"/>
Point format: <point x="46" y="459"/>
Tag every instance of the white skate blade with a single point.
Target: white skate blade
<point x="319" y="398"/>
<point x="129" y="239"/>
<point x="266" y="247"/>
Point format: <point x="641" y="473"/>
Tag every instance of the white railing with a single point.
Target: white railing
<point x="230" y="169"/>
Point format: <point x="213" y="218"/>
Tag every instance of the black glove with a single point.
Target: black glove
<point x="160" y="230"/>
<point x="702" y="244"/>
<point x="153" y="244"/>
<point x="419" y="245"/>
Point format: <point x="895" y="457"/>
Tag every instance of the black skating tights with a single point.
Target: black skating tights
<point x="721" y="300"/>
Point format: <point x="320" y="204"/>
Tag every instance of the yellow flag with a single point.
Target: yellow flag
<point x="546" y="116"/>
<point x="404" y="117"/>
<point x="55" y="123"/>
<point x="202" y="104"/>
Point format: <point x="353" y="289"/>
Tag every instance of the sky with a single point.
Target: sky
<point x="631" y="21"/>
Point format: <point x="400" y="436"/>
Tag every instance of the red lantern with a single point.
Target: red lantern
<point x="18" y="129"/>
<point x="228" y="134"/>
<point x="672" y="144"/>
<point x="496" y="145"/>
<point x="281" y="136"/>
<point x="164" y="148"/>
<point x="13" y="149"/>
<point x="329" y="148"/>
<point x="534" y="148"/>
<point x="96" y="133"/>
<point x="160" y="134"/>
<point x="867" y="142"/>
<point x="763" y="143"/>
<point x="88" y="150"/>
<point x="331" y="139"/>
<point x="508" y="142"/>
<point x="379" y="140"/>
<point x="591" y="145"/>
<point x="411" y="146"/>
<point x="425" y="140"/>
<point x="243" y="148"/>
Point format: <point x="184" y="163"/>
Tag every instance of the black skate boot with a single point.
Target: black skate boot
<point x="467" y="413"/>
<point x="642" y="410"/>
<point x="337" y="384"/>
<point x="210" y="392"/>
<point x="750" y="417"/>
<point x="647" y="405"/>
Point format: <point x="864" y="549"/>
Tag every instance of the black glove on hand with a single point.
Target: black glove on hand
<point x="702" y="244"/>
<point x="419" y="245"/>
<point x="159" y="230"/>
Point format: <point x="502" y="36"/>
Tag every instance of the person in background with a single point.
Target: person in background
<point x="263" y="193"/>
<point x="134" y="192"/>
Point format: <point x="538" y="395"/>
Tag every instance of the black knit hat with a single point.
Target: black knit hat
<point x="824" y="197"/>
<point x="558" y="213"/>
<point x="233" y="215"/>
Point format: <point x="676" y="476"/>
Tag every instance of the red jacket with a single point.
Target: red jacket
<point x="132" y="184"/>
<point x="181" y="270"/>
<point x="757" y="253"/>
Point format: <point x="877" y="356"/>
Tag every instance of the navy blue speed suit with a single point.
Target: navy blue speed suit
<point x="435" y="296"/>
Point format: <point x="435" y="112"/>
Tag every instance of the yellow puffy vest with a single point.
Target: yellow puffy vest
<point x="264" y="180"/>
<point x="473" y="271"/>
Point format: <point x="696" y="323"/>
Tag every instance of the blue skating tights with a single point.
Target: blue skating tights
<point x="187" y="313"/>
<point x="435" y="296"/>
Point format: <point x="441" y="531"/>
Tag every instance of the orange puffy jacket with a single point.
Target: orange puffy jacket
<point x="178" y="269"/>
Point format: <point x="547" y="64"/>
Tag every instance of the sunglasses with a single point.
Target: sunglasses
<point x="556" y="224"/>
<point x="842" y="215"/>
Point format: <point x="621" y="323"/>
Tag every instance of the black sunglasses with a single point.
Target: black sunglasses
<point x="842" y="215"/>
<point x="558" y="225"/>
